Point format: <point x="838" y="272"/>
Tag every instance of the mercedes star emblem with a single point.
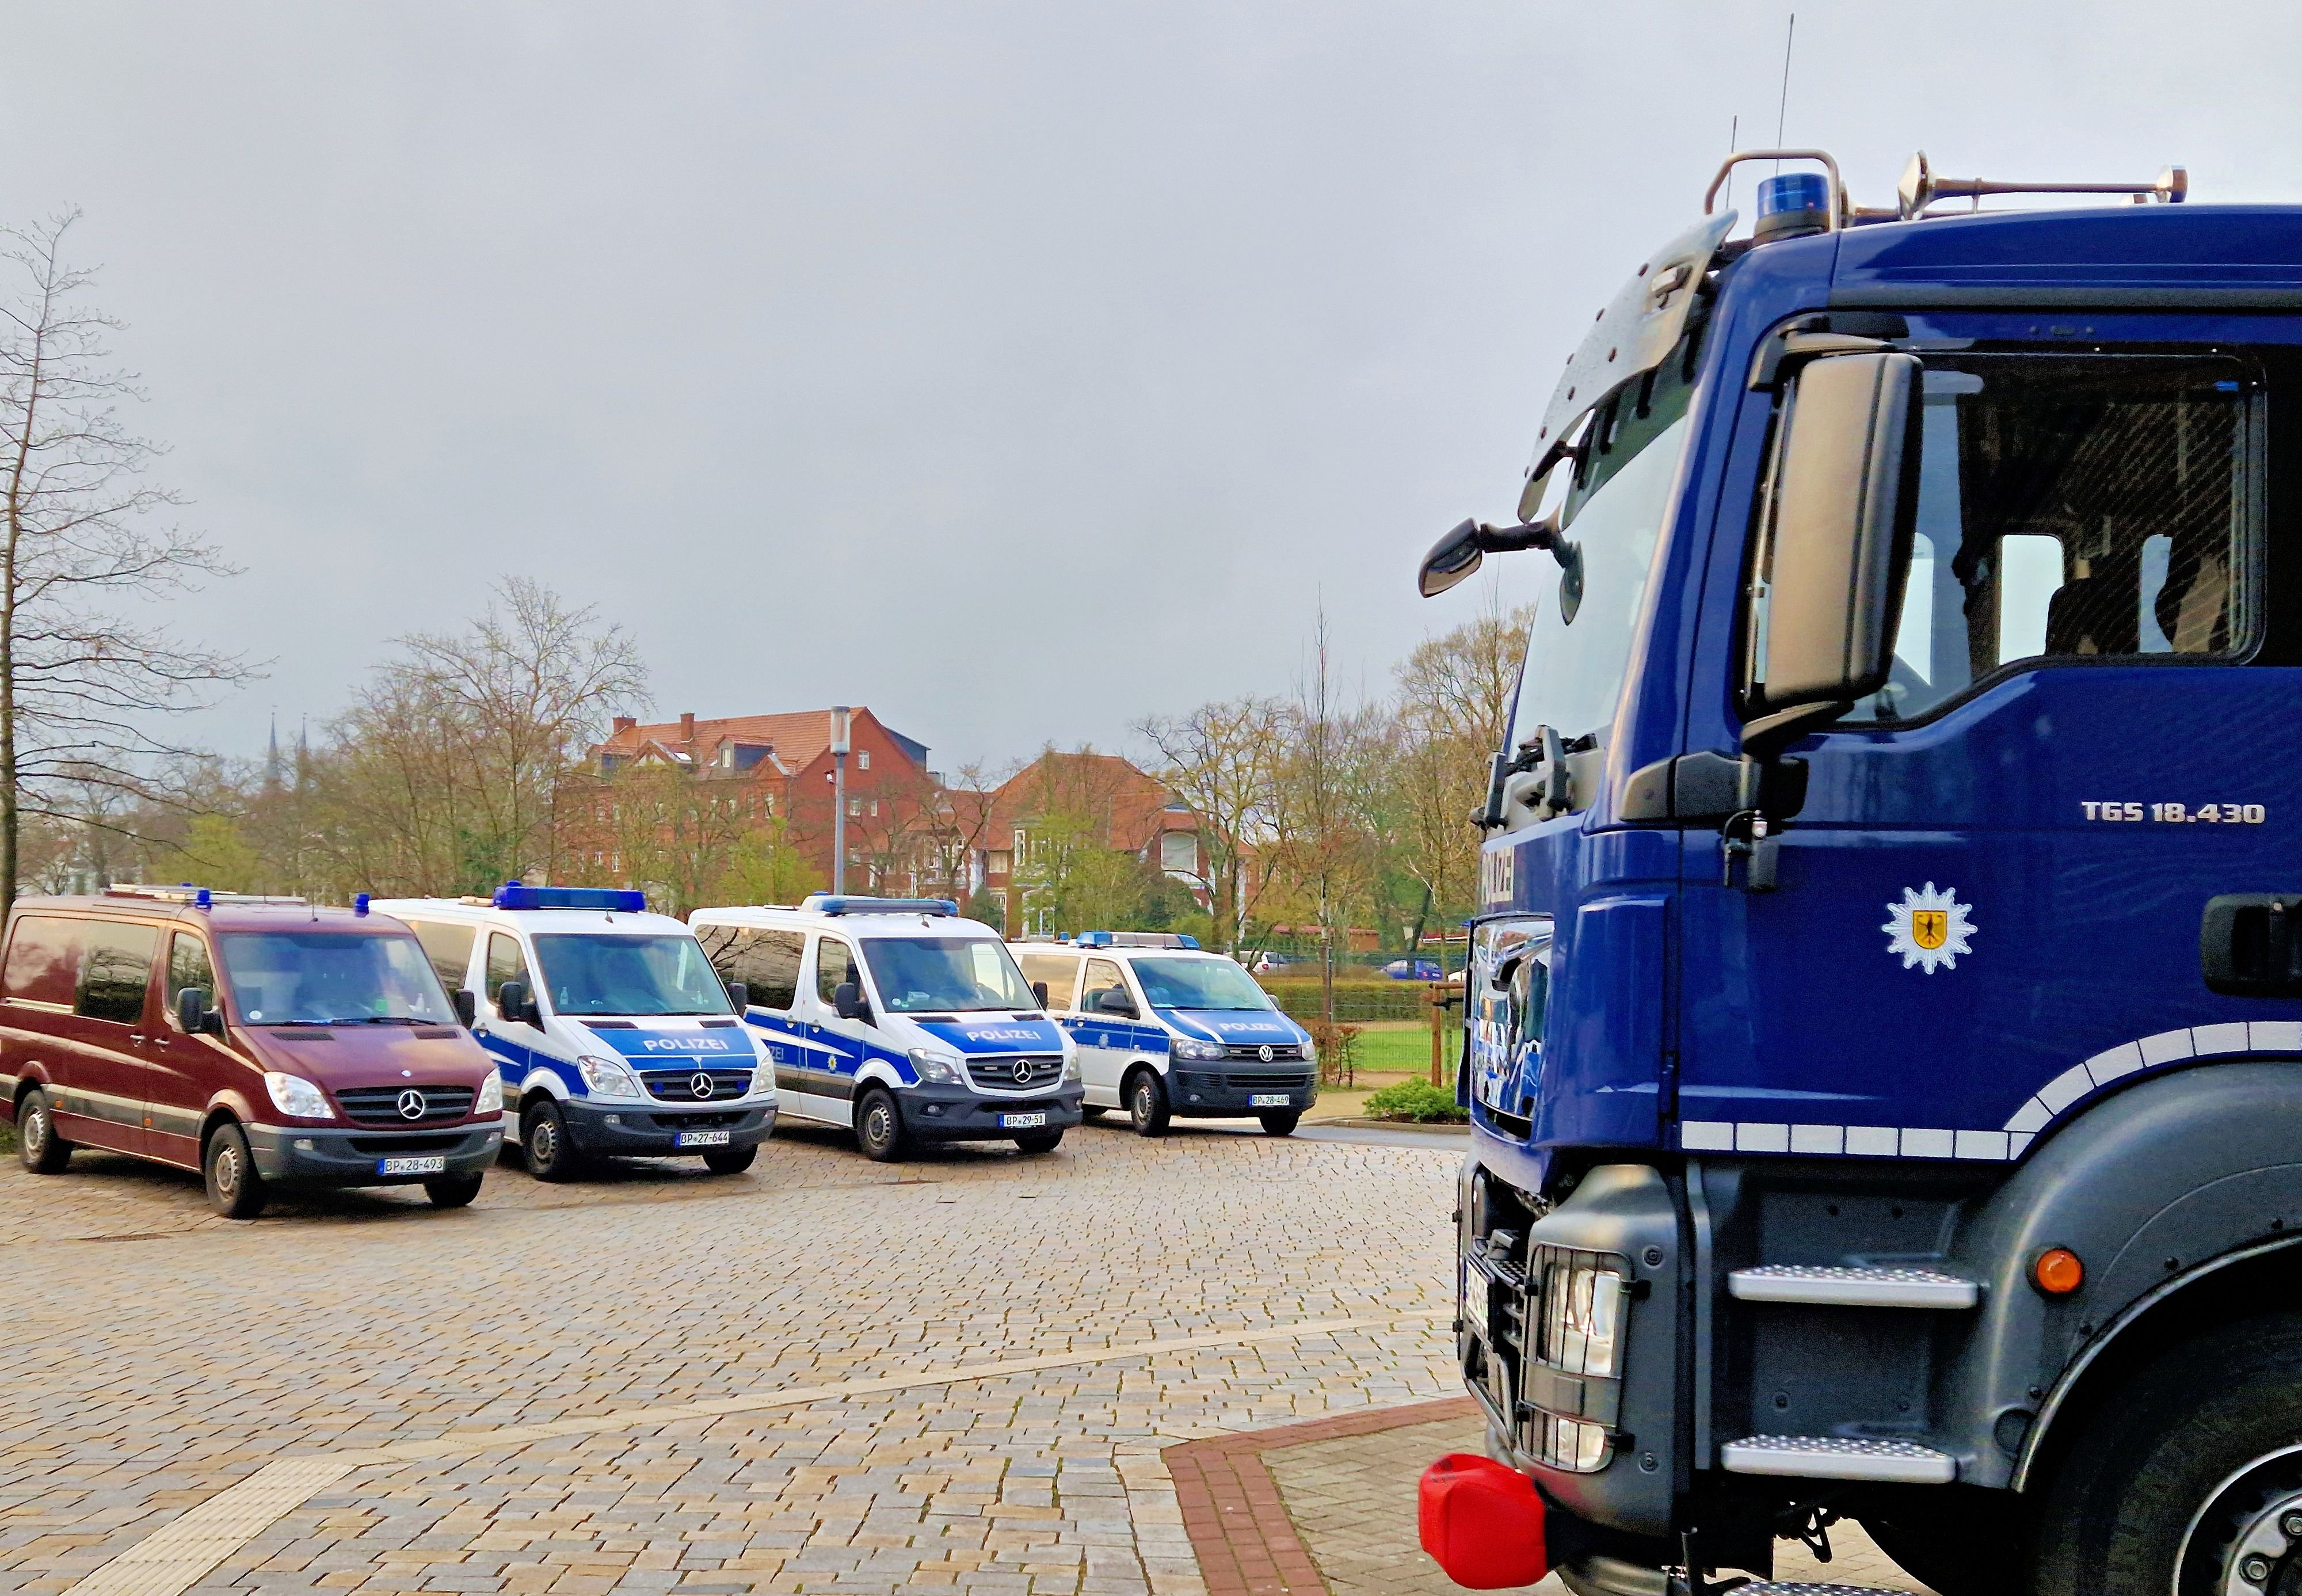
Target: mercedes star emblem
<point x="1265" y="1052"/>
<point x="1023" y="1068"/>
<point x="700" y="1084"/>
<point x="411" y="1104"/>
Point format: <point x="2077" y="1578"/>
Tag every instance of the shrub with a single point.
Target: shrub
<point x="1339" y="1050"/>
<point x="1416" y="1100"/>
<point x="1354" y="999"/>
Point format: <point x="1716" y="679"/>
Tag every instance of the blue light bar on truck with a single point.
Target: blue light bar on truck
<point x="824" y="903"/>
<point x="615" y="900"/>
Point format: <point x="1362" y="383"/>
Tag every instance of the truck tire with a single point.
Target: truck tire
<point x="1146" y="1102"/>
<point x="228" y="1169"/>
<point x="1953" y="1539"/>
<point x="879" y="1126"/>
<point x="2185" y="1474"/>
<point x="544" y="1144"/>
<point x="38" y="1146"/>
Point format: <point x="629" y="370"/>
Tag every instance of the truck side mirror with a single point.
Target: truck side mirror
<point x="467" y="1007"/>
<point x="1459" y="553"/>
<point x="739" y="996"/>
<point x="1039" y="993"/>
<point x="1827" y="587"/>
<point x="847" y="1003"/>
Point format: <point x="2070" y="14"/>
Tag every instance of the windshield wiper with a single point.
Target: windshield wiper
<point x="373" y="1019"/>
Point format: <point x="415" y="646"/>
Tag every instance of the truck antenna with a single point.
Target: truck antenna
<point x="1733" y="139"/>
<point x="1783" y="106"/>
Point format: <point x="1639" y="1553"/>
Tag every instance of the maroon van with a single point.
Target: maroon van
<point x="264" y="1042"/>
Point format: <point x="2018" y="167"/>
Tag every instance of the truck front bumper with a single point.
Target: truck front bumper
<point x="301" y="1156"/>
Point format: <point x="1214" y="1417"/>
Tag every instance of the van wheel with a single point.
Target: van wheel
<point x="42" y="1150"/>
<point x="879" y="1126"/>
<point x="730" y="1161"/>
<point x="235" y="1190"/>
<point x="1146" y="1102"/>
<point x="1044" y="1141"/>
<point x="1280" y="1124"/>
<point x="543" y="1142"/>
<point x="452" y="1191"/>
<point x="2189" y="1478"/>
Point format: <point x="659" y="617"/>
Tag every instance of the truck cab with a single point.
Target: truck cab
<point x="1883" y="1043"/>
<point x="612" y="1035"/>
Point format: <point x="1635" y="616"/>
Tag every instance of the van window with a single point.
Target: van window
<point x="766" y="961"/>
<point x="834" y="967"/>
<point x="116" y="971"/>
<point x="644" y="973"/>
<point x="331" y="978"/>
<point x="189" y="966"/>
<point x="44" y="961"/>
<point x="506" y="963"/>
<point x="449" y="949"/>
<point x="1060" y="973"/>
<point x="1101" y="976"/>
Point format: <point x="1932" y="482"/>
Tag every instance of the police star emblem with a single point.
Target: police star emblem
<point x="1929" y="929"/>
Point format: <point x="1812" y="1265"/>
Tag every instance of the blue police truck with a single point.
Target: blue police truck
<point x="1884" y="1031"/>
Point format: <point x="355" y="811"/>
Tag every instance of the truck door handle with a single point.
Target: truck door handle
<point x="2250" y="944"/>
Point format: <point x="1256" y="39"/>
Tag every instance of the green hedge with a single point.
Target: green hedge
<point x="1355" y="1000"/>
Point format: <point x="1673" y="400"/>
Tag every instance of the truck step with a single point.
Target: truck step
<point x="1785" y="1587"/>
<point x="1838" y="1457"/>
<point x="1855" y="1288"/>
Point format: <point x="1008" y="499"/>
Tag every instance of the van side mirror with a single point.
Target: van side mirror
<point x="739" y="996"/>
<point x="1114" y="1000"/>
<point x="1827" y="588"/>
<point x="193" y="1014"/>
<point x="847" y="1003"/>
<point x="513" y="1003"/>
<point x="467" y="1006"/>
<point x="1039" y="993"/>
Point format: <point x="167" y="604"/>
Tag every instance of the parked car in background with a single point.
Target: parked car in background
<point x="1275" y="963"/>
<point x="1412" y="969"/>
<point x="264" y="1042"/>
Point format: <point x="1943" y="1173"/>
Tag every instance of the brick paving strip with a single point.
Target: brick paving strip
<point x="174" y="1558"/>
<point x="1246" y="1543"/>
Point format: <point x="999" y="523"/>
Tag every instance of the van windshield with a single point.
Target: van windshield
<point x="1198" y="984"/>
<point x="331" y="978"/>
<point x="625" y="975"/>
<point x="917" y="974"/>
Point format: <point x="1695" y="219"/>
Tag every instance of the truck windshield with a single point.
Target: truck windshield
<point x="1580" y="644"/>
<point x="640" y="974"/>
<point x="917" y="974"/>
<point x="1198" y="984"/>
<point x="330" y="977"/>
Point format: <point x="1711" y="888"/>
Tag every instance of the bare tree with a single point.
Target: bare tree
<point x="81" y="533"/>
<point x="1223" y="760"/>
<point x="1321" y="805"/>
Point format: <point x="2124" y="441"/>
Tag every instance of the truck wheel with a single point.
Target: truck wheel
<point x="1953" y="1538"/>
<point x="1042" y="1141"/>
<point x="2189" y="1479"/>
<point x="1146" y="1102"/>
<point x="452" y="1191"/>
<point x="235" y="1190"/>
<point x="42" y="1150"/>
<point x="879" y="1126"/>
<point x="543" y="1142"/>
<point x="730" y="1161"/>
<point x="1280" y="1124"/>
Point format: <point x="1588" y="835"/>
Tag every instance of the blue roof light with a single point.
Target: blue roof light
<point x="615" y="899"/>
<point x="824" y="903"/>
<point x="203" y="898"/>
<point x="1792" y="203"/>
<point x="359" y="903"/>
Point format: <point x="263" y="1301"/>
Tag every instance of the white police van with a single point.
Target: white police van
<point x="896" y="1020"/>
<point x="1164" y="1030"/>
<point x="610" y="1029"/>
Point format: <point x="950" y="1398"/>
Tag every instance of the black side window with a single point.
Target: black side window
<point x="766" y="961"/>
<point x="449" y="950"/>
<point x="118" y="970"/>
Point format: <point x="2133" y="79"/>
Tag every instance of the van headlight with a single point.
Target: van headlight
<point x="1071" y="1063"/>
<point x="1186" y="1047"/>
<point x="490" y="1097"/>
<point x="1310" y="1048"/>
<point x="938" y="1067"/>
<point x="606" y="1077"/>
<point x="763" y="1080"/>
<point x="297" y="1097"/>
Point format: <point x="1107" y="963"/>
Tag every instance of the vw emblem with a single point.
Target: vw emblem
<point x="1024" y="1070"/>
<point x="1265" y="1052"/>
<point x="700" y="1084"/>
<point x="411" y="1104"/>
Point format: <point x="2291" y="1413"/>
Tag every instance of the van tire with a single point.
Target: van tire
<point x="730" y="1161"/>
<point x="38" y="1146"/>
<point x="879" y="1126"/>
<point x="543" y="1143"/>
<point x="1042" y="1141"/>
<point x="1280" y="1124"/>
<point x="452" y="1191"/>
<point x="1146" y="1102"/>
<point x="228" y="1169"/>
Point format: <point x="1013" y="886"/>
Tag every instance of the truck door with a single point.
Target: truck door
<point x="1991" y="901"/>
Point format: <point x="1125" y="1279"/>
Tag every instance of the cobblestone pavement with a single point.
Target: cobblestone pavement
<point x="160" y="1356"/>
<point x="1352" y="1501"/>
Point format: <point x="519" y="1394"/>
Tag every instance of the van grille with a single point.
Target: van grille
<point x="678" y="1086"/>
<point x="1278" y="1050"/>
<point x="379" y="1104"/>
<point x="1292" y="1082"/>
<point x="1038" y="1072"/>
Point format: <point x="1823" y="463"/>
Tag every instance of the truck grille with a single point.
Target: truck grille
<point x="1030" y="1071"/>
<point x="678" y="1086"/>
<point x="381" y="1105"/>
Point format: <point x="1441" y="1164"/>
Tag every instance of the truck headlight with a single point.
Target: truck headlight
<point x="1197" y="1051"/>
<point x="937" y="1067"/>
<point x="490" y="1097"/>
<point x="296" y="1096"/>
<point x="607" y="1077"/>
<point x="1582" y="1319"/>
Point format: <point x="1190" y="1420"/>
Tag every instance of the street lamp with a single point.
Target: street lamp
<point x="839" y="728"/>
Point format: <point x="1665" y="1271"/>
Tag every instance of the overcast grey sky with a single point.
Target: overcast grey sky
<point x="1017" y="369"/>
